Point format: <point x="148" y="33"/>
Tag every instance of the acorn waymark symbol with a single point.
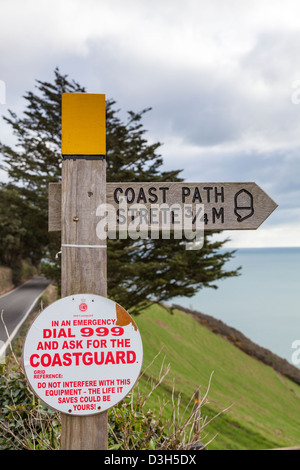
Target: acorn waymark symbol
<point x="243" y="205"/>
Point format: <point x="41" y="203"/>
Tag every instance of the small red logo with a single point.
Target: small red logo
<point x="83" y="306"/>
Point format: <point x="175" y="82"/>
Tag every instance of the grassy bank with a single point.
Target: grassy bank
<point x="265" y="405"/>
<point x="6" y="280"/>
<point x="10" y="278"/>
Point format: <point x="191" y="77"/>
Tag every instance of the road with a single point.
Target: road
<point x="16" y="306"/>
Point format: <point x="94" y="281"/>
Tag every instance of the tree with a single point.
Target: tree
<point x="137" y="270"/>
<point x="12" y="232"/>
<point x="34" y="162"/>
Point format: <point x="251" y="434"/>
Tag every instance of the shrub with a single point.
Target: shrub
<point x="27" y="423"/>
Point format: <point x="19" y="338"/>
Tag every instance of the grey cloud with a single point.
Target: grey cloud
<point x="205" y="108"/>
<point x="275" y="56"/>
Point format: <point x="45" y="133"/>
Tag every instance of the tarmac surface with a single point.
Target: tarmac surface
<point x="16" y="305"/>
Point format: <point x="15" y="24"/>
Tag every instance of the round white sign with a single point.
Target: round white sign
<point x="83" y="354"/>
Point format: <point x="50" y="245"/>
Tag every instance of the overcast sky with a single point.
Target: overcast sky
<point x="222" y="78"/>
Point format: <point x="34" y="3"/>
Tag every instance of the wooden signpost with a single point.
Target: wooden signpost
<point x="227" y="206"/>
<point x="83" y="255"/>
<point x="73" y="208"/>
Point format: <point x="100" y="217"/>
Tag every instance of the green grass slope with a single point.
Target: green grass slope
<point x="265" y="405"/>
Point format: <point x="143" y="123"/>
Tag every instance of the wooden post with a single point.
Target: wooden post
<point x="83" y="254"/>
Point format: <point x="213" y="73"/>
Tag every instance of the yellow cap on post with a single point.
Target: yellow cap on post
<point x="83" y="124"/>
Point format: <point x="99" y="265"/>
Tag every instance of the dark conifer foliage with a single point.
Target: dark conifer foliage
<point x="138" y="271"/>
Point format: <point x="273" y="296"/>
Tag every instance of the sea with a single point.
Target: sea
<point x="263" y="302"/>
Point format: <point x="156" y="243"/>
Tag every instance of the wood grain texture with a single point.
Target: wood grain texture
<point x="54" y="207"/>
<point x="227" y="206"/>
<point x="83" y="271"/>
